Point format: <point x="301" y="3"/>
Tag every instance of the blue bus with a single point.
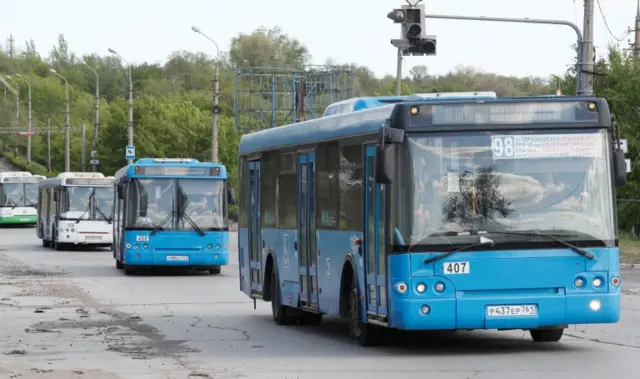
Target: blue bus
<point x="361" y="103"/>
<point x="171" y="212"/>
<point x="436" y="215"/>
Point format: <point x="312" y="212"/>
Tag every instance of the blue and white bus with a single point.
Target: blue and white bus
<point x="361" y="103"/>
<point x="436" y="215"/>
<point x="171" y="212"/>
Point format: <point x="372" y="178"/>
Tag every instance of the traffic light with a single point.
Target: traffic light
<point x="414" y="40"/>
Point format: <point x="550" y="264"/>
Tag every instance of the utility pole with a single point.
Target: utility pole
<point x="399" y="74"/>
<point x="130" y="102"/>
<point x="636" y="44"/>
<point x="49" y="144"/>
<point x="588" y="56"/>
<point x="84" y="146"/>
<point x="96" y="127"/>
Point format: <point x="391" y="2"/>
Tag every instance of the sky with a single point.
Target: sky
<point x="351" y="31"/>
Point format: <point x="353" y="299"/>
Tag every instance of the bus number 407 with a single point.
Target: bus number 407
<point x="452" y="268"/>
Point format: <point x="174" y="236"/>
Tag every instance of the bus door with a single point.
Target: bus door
<point x="306" y="244"/>
<point x="255" y="236"/>
<point x="374" y="239"/>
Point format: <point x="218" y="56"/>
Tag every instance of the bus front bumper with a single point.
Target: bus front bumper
<point x="508" y="312"/>
<point x="203" y="258"/>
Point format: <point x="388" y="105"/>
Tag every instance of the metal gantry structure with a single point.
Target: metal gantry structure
<point x="268" y="97"/>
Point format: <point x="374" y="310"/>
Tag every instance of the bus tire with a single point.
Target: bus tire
<point x="58" y="246"/>
<point x="281" y="314"/>
<point x="119" y="265"/>
<point x="547" y="335"/>
<point x="128" y="270"/>
<point x="366" y="334"/>
<point x="311" y="319"/>
<point x="215" y="270"/>
<point x="45" y="243"/>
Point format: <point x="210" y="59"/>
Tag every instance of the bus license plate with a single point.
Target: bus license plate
<point x="511" y="310"/>
<point x="94" y="238"/>
<point x="177" y="258"/>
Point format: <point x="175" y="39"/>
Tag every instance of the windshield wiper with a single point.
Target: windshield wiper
<point x="159" y="227"/>
<point x="553" y="236"/>
<point x="184" y="216"/>
<point x="13" y="201"/>
<point x="87" y="208"/>
<point x="30" y="202"/>
<point x="107" y="219"/>
<point x="483" y="241"/>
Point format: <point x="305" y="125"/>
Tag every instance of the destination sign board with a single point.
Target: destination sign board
<point x="162" y="170"/>
<point x="93" y="182"/>
<point x="21" y="179"/>
<point x="505" y="113"/>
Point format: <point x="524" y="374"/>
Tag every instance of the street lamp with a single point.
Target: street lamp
<point x="94" y="154"/>
<point x="67" y="126"/>
<point x="30" y="120"/>
<point x="216" y="97"/>
<point x="130" y="161"/>
<point x="17" y="97"/>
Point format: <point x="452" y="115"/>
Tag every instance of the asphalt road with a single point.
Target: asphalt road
<point x="73" y="315"/>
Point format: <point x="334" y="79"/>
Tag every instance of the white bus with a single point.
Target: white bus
<point x="18" y="197"/>
<point x="76" y="208"/>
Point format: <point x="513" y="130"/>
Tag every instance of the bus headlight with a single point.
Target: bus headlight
<point x="439" y="287"/>
<point x="420" y="288"/>
<point x="578" y="282"/>
<point x="209" y="246"/>
<point x="597" y="282"/>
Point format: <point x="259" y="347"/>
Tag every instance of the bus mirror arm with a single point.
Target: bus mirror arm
<point x="384" y="164"/>
<point x="387" y="135"/>
<point x="619" y="168"/>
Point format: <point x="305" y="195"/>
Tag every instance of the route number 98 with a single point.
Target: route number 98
<point x="452" y="268"/>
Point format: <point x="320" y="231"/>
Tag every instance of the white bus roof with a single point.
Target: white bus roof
<point x="15" y="174"/>
<point x="80" y="175"/>
<point x="445" y="95"/>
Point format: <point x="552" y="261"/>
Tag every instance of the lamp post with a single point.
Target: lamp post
<point x="67" y="126"/>
<point x="216" y="98"/>
<point x="94" y="151"/>
<point x="17" y="97"/>
<point x="130" y="128"/>
<point x="30" y="120"/>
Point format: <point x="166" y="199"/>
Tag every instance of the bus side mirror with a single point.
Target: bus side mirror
<point x="231" y="196"/>
<point x="384" y="164"/>
<point x="56" y="196"/>
<point x="619" y="168"/>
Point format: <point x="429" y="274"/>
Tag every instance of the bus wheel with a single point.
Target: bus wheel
<point x="119" y="265"/>
<point x="58" y="246"/>
<point x="312" y="319"/>
<point x="128" y="270"/>
<point x="215" y="270"/>
<point x="281" y="314"/>
<point x="45" y="243"/>
<point x="366" y="334"/>
<point x="548" y="335"/>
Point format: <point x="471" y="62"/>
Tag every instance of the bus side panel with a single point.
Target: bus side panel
<point x="243" y="260"/>
<point x="280" y="243"/>
<point x="333" y="247"/>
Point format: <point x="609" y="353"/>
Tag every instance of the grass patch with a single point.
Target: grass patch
<point x="20" y="163"/>
<point x="629" y="249"/>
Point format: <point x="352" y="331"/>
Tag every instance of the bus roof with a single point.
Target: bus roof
<point x="361" y="103"/>
<point x="105" y="181"/>
<point x="359" y="123"/>
<point x="172" y="168"/>
<point x="16" y="174"/>
<point x="80" y="175"/>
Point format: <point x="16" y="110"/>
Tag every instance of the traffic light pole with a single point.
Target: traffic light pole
<point x="399" y="74"/>
<point x="583" y="82"/>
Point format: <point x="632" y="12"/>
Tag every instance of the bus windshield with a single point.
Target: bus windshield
<point x="18" y="195"/>
<point x="176" y="203"/>
<point x="477" y="182"/>
<point x="86" y="203"/>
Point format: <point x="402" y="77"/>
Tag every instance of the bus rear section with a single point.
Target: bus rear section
<point x="167" y="218"/>
<point x="19" y="198"/>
